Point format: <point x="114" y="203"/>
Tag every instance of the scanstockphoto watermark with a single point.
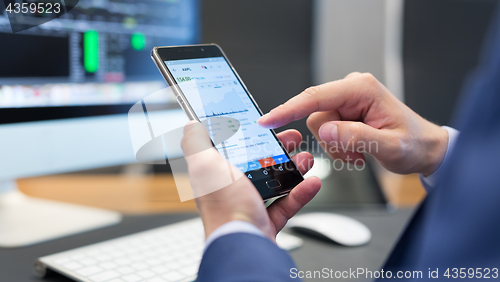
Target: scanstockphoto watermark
<point x="354" y="273"/>
<point x="431" y="273"/>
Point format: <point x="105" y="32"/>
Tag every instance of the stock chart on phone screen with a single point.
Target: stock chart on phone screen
<point x="213" y="90"/>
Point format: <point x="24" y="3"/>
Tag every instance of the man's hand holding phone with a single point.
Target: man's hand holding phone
<point x="350" y="113"/>
<point x="240" y="200"/>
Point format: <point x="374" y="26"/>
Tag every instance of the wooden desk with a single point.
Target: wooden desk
<point x="158" y="193"/>
<point x="127" y="194"/>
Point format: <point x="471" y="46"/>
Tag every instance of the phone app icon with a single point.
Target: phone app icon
<point x="267" y="162"/>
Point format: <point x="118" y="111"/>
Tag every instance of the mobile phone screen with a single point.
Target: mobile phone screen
<point x="218" y="92"/>
<point x="212" y="89"/>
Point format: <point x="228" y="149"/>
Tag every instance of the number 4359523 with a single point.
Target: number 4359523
<point x="471" y="273"/>
<point x="34" y="8"/>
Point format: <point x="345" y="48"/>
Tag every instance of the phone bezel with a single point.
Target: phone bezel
<point x="158" y="54"/>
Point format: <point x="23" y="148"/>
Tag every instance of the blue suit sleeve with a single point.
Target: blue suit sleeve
<point x="239" y="257"/>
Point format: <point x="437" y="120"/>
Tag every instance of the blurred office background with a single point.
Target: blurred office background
<point x="421" y="50"/>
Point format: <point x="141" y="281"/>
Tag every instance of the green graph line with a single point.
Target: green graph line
<point x="91" y="51"/>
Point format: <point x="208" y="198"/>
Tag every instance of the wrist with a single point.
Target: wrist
<point x="435" y="146"/>
<point x="213" y="219"/>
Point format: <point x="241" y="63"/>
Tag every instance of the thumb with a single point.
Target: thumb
<point x="195" y="139"/>
<point x="208" y="170"/>
<point x="352" y="136"/>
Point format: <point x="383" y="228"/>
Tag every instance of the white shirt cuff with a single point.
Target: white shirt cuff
<point x="235" y="226"/>
<point x="431" y="181"/>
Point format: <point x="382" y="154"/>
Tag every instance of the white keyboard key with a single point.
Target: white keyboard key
<point x="153" y="261"/>
<point x="77" y="256"/>
<point x="173" y="276"/>
<point x="62" y="260"/>
<point x="160" y="269"/>
<point x="131" y="250"/>
<point x="122" y="261"/>
<point x="196" y="257"/>
<point x="163" y="250"/>
<point x="93" y="252"/>
<point x="173" y="265"/>
<point x="122" y="245"/>
<point x="166" y="257"/>
<point x="136" y="257"/>
<point x="137" y="241"/>
<point x="102" y="257"/>
<point x="88" y="261"/>
<point x="72" y="265"/>
<point x="191" y="279"/>
<point x="189" y="270"/>
<point x="109" y="248"/>
<point x="196" y="262"/>
<point x="125" y="270"/>
<point x="146" y="273"/>
<point x="192" y="251"/>
<point x="108" y="265"/>
<point x="132" y="278"/>
<point x="185" y="260"/>
<point x="156" y="279"/>
<point x="87" y="271"/>
<point x="116" y="253"/>
<point x="104" y="276"/>
<point x="139" y="265"/>
<point x="152" y="252"/>
<point x="116" y="280"/>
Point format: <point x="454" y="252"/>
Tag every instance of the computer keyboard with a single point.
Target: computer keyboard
<point x="165" y="254"/>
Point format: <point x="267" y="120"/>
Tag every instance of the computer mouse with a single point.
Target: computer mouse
<point x="341" y="229"/>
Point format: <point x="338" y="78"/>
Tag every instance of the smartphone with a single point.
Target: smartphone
<point x="206" y="85"/>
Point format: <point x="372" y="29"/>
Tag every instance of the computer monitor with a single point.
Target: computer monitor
<point x="66" y="87"/>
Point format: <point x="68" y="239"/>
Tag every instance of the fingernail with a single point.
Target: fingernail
<point x="328" y="132"/>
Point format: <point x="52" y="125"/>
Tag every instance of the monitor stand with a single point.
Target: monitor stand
<point x="25" y="220"/>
